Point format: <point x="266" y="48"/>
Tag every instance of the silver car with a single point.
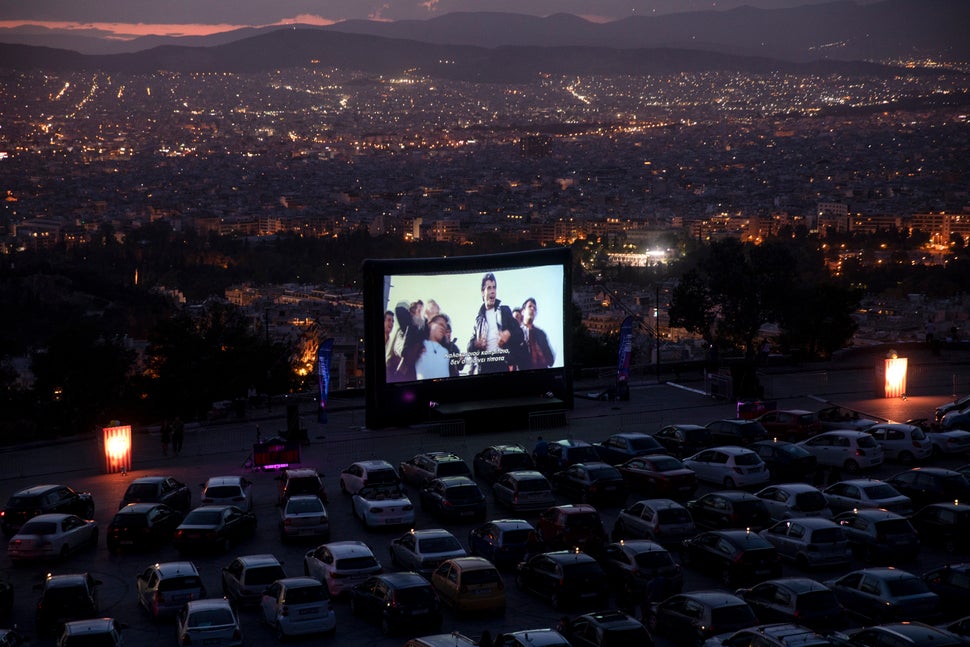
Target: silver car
<point x="297" y="606"/>
<point x="794" y="500"/>
<point x="661" y="520"/>
<point x="523" y="490"/>
<point x="904" y="443"/>
<point x="810" y="542"/>
<point x="866" y="493"/>
<point x="210" y="622"/>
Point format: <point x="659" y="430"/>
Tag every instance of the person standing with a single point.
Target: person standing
<point x="497" y="336"/>
<point x="178" y="435"/>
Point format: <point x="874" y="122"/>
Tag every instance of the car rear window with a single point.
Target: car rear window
<point x="211" y="618"/>
<point x="866" y="442"/>
<point x="380" y="476"/>
<point x="465" y="493"/>
<point x="653" y="559"/>
<point x="203" y="518"/>
<point x="732" y="615"/>
<point x="816" y="601"/>
<point x="414" y="595"/>
<point x="264" y="574"/>
<point x="640" y="444"/>
<point x="480" y="576"/>
<point x="667" y="464"/>
<point x="907" y="586"/>
<point x="140" y="491"/>
<point x="894" y="527"/>
<point x="130" y="521"/>
<point x="24" y="502"/>
<point x="38" y="528"/>
<point x="810" y="501"/>
<point x="515" y="536"/>
<point x="828" y="535"/>
<point x="582" y="520"/>
<point x="180" y="583"/>
<point x="355" y="563"/>
<point x="747" y="458"/>
<point x="453" y="468"/>
<point x="438" y="544"/>
<point x="880" y="491"/>
<point x="104" y="639"/>
<point x="301" y="506"/>
<point x="223" y="491"/>
<point x="306" y="594"/>
<point x="303" y="485"/>
<point x="673" y="515"/>
<point x="533" y="485"/>
<point x="604" y="473"/>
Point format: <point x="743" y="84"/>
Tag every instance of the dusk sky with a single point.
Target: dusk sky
<point x="130" y="18"/>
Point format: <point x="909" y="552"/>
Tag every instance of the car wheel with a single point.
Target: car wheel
<point x="851" y="467"/>
<point x="906" y="458"/>
<point x="729" y="483"/>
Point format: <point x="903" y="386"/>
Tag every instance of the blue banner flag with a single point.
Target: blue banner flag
<point x="324" y="353"/>
<point x="626" y="347"/>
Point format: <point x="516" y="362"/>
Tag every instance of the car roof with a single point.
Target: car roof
<point x="374" y="464"/>
<point x="733" y="450"/>
<point x="139" y="508"/>
<point x="52" y="516"/>
<point x="208" y="603"/>
<point x="739" y="537"/>
<point x="403" y="579"/>
<point x="175" y="569"/>
<point x="959" y="507"/>
<point x="575" y="508"/>
<point x="640" y="545"/>
<point x="262" y="559"/>
<point x="150" y="479"/>
<point x="569" y="557"/>
<point x="712" y="598"/>
<point x="813" y="522"/>
<point x="915" y="631"/>
<point x="224" y="480"/>
<point x="472" y="563"/>
<point x="432" y="532"/>
<point x="684" y="427"/>
<point x="871" y="513"/>
<point x="939" y="471"/>
<point x="508" y="449"/>
<point x="512" y="524"/>
<point x="798" y="584"/>
<point x="441" y="456"/>
<point x="452" y="481"/>
<point x="733" y="495"/>
<point x="218" y="508"/>
<point x="886" y="572"/>
<point x="300" y="582"/>
<point x="569" y="442"/>
<point x="526" y="475"/>
<point x="860" y="482"/>
<point x="660" y="504"/>
<point x="793" y="487"/>
<point x="349" y="548"/>
<point x="592" y="464"/>
<point x="301" y="472"/>
<point x="90" y="626"/>
<point x="630" y="434"/>
<point x="34" y="490"/>
<point x="65" y="580"/>
<point x="539" y="637"/>
<point x="612" y="617"/>
<point x="787" y="633"/>
<point x="850" y="433"/>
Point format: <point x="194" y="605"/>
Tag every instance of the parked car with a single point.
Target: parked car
<point x="729" y="466"/>
<point x="683" y="440"/>
<point x="664" y="521"/>
<point x="566" y="578"/>
<point x="65" y="597"/>
<point x="786" y="461"/>
<point x="504" y="542"/>
<point x="454" y="498"/>
<point x="798" y="600"/>
<point x="396" y="601"/>
<point x="13" y="637"/>
<point x="733" y="556"/>
<point x="208" y="622"/>
<point x="945" y="524"/>
<point x="301" y="481"/>
<point x="304" y="515"/>
<point x="421" y="469"/>
<point x="470" y="584"/>
<point x="606" y="628"/>
<point x="341" y="565"/>
<point x="363" y="473"/>
<point x="885" y="594"/>
<point x="926" y="485"/>
<point x="214" y="527"/>
<point x="899" y="634"/>
<point x="954" y="405"/>
<point x="523" y="491"/>
<point x="247" y="576"/>
<point x="139" y="526"/>
<point x="851" y="451"/>
<point x="729" y="509"/>
<point x="422" y="551"/>
<point x="810" y="542"/>
<point x="659" y="476"/>
<point x="103" y="632"/>
<point x="956" y="420"/>
<point x="621" y="447"/>
<point x="561" y="454"/>
<point x="43" y="499"/>
<point x="158" y="489"/>
<point x="736" y="431"/>
<point x="297" y="606"/>
<point x="689" y="619"/>
<point x="228" y="490"/>
<point x="952" y="583"/>
<point x="879" y="535"/>
<point x="900" y="442"/>
<point x="948" y="442"/>
<point x="836" y="418"/>
<point x="382" y="505"/>
<point x="775" y="635"/>
<point x="496" y="460"/>
<point x="631" y="564"/>
<point x="163" y="588"/>
<point x="52" y="536"/>
<point x="570" y="526"/>
<point x="866" y="493"/>
<point x="598" y="483"/>
<point x="791" y="424"/>
<point x="794" y="500"/>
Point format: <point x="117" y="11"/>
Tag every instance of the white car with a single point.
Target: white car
<point x="867" y="493"/>
<point x="901" y="442"/>
<point x="304" y="515"/>
<point x="297" y="606"/>
<point x="102" y="632"/>
<point x="794" y="500"/>
<point x="845" y="449"/>
<point x="341" y="565"/>
<point x="422" y="551"/>
<point x="210" y="622"/>
<point x="730" y="466"/>
<point x="228" y="490"/>
<point x="954" y="441"/>
<point x="52" y="536"/>
<point x="382" y="505"/>
<point x="362" y="473"/>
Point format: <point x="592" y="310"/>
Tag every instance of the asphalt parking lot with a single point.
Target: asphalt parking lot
<point x="223" y="448"/>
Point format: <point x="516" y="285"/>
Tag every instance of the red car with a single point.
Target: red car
<point x="572" y="526"/>
<point x="659" y="476"/>
<point x="791" y="424"/>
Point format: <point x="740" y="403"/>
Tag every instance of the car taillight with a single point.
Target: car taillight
<point x="237" y="635"/>
<point x="738" y="470"/>
<point x="337" y="576"/>
<point x="159" y="597"/>
<point x="860" y="452"/>
<point x="916" y="443"/>
<point x="287" y="522"/>
<point x="445" y="503"/>
<point x="408" y="508"/>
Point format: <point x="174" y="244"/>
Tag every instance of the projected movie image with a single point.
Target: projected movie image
<point x="459" y="325"/>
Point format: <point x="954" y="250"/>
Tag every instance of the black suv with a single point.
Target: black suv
<point x="158" y="489"/>
<point x="736" y="431"/>
<point x="565" y="578"/>
<point x="397" y="600"/>
<point x="729" y="509"/>
<point x="43" y="499"/>
<point x="926" y="485"/>
<point x="64" y="598"/>
<point x="302" y="480"/>
<point x="604" y="628"/>
<point x="561" y="454"/>
<point x="899" y="634"/>
<point x="492" y="462"/>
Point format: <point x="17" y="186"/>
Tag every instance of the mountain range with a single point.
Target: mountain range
<point x="503" y="47"/>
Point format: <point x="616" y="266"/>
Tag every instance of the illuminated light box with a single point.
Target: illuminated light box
<point x="116" y="442"/>
<point x="896" y="368"/>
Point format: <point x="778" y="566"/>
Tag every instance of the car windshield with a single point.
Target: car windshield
<point x="533" y="485"/>
<point x="828" y="535"/>
<point x="604" y="473"/>
<point x="673" y="515"/>
<point x="354" y="563"/>
<point x="810" y="501"/>
<point x="306" y="594"/>
<point x="438" y="545"/>
<point x="510" y="537"/>
<point x="816" y="601"/>
<point x="907" y="586"/>
<point x="582" y="520"/>
<point x="882" y="491"/>
<point x="732" y="615"/>
<point x="667" y="464"/>
<point x="453" y="468"/>
<point x="140" y="491"/>
<point x="464" y="493"/>
<point x="203" y="518"/>
<point x="415" y="595"/>
<point x="894" y="527"/>
<point x="512" y="462"/>
<point x="38" y="528"/>
<point x="222" y="491"/>
<point x="641" y="444"/>
<point x="179" y="583"/>
<point x="653" y="559"/>
<point x="304" y="506"/>
<point x="747" y="458"/>
<point x="583" y="454"/>
<point x="211" y="618"/>
<point x="264" y="575"/>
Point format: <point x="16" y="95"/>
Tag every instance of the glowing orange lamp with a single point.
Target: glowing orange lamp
<point x="117" y="449"/>
<point x="896" y="368"/>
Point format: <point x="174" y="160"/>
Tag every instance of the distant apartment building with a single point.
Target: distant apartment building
<point x="831" y="215"/>
<point x="940" y="226"/>
<point x="872" y="224"/>
<point x="39" y="233"/>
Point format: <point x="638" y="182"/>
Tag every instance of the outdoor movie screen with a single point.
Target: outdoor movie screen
<point x="464" y="323"/>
